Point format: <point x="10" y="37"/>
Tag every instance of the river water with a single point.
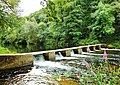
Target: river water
<point x="62" y="71"/>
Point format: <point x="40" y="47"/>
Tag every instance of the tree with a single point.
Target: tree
<point x="116" y="6"/>
<point x="7" y="12"/>
<point x="103" y="21"/>
<point x="8" y="17"/>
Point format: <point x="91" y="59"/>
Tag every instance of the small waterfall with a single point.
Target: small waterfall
<point x="41" y="63"/>
<point x="78" y="55"/>
<point x="39" y="58"/>
<point x="72" y="53"/>
<point x="60" y="55"/>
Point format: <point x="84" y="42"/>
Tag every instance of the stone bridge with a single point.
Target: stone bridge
<point x="17" y="60"/>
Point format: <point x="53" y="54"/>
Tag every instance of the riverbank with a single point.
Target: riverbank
<point x="115" y="44"/>
<point x="7" y="49"/>
<point x="4" y="50"/>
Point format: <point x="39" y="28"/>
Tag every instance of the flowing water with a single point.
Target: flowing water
<point x="62" y="71"/>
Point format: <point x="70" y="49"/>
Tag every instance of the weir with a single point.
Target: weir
<point x="17" y="60"/>
<point x="67" y="51"/>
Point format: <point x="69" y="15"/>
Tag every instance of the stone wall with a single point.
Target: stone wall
<point x="12" y="61"/>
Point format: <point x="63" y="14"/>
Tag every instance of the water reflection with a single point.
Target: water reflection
<point x="23" y="48"/>
<point x="7" y="76"/>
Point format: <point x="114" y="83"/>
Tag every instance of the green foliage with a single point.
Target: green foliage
<point x="62" y="23"/>
<point x="72" y="25"/>
<point x="56" y="76"/>
<point x="116" y="6"/>
<point x="67" y="74"/>
<point x="7" y="13"/>
<point x="68" y="19"/>
<point x="88" y="42"/>
<point x="104" y="20"/>
<point x="30" y="30"/>
<point x="98" y="73"/>
<point x="105" y="75"/>
<point x="4" y="50"/>
<point x="115" y="44"/>
<point x="8" y="21"/>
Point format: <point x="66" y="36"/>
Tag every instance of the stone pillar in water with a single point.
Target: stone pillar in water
<point x="49" y="56"/>
<point x="79" y="50"/>
<point x="99" y="47"/>
<point x="94" y="48"/>
<point x="68" y="53"/>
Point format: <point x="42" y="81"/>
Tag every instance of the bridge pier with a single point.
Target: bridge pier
<point x="99" y="46"/>
<point x="94" y="48"/>
<point x="68" y="53"/>
<point x="49" y="56"/>
<point x="80" y="51"/>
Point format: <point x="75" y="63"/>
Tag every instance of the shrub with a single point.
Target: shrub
<point x="4" y="50"/>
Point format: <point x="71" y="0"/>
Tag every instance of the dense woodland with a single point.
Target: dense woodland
<point x="62" y="23"/>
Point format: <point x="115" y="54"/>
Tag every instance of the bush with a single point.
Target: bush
<point x="88" y="42"/>
<point x="4" y="50"/>
<point x="115" y="44"/>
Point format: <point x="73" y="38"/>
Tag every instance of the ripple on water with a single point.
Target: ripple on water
<point x="43" y="71"/>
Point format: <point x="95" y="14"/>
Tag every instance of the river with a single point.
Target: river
<point x="62" y="71"/>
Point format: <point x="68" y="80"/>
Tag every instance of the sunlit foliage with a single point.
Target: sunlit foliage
<point x="61" y="23"/>
<point x="104" y="19"/>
